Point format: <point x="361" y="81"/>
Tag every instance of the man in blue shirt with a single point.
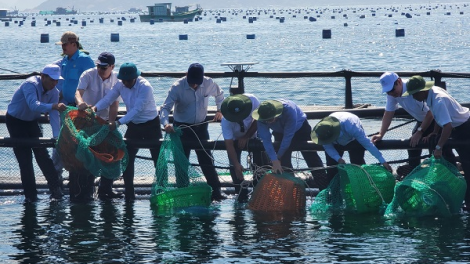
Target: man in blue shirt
<point x="36" y="95"/>
<point x="344" y="129"/>
<point x="72" y="65"/>
<point x="288" y="123"/>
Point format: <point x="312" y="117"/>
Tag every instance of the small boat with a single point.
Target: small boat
<point x="161" y="12"/>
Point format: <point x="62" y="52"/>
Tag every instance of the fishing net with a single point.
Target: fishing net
<point x="435" y="188"/>
<point x="177" y="183"/>
<point x="278" y="192"/>
<point x="86" y="144"/>
<point x="357" y="189"/>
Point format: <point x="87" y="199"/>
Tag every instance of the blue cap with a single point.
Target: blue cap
<point x="195" y="74"/>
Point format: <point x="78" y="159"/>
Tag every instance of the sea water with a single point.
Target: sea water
<point x="117" y="232"/>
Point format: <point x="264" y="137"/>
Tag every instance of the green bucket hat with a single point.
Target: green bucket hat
<point x="236" y="108"/>
<point x="326" y="131"/>
<point x="268" y="110"/>
<point x="128" y="71"/>
<point x="417" y="84"/>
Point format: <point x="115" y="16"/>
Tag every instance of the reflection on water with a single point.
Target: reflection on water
<point x="119" y="232"/>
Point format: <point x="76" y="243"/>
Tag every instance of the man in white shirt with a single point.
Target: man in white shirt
<point x="93" y="85"/>
<point x="141" y="118"/>
<point x="238" y="127"/>
<point x="190" y="98"/>
<point x="395" y="87"/>
<point x="344" y="129"/>
<point x="453" y="118"/>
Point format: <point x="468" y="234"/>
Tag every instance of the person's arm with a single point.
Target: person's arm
<point x="109" y="98"/>
<point x="446" y="132"/>
<point x="166" y="109"/>
<point x="290" y="117"/>
<point x="386" y="121"/>
<point x="332" y="152"/>
<point x="249" y="133"/>
<point x="232" y="155"/>
<point x="414" y="140"/>
<point x="113" y="111"/>
<point x="219" y="98"/>
<point x="79" y="100"/>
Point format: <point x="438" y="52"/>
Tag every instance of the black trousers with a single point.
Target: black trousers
<point x="311" y="157"/>
<point x="24" y="155"/>
<point x="204" y="157"/>
<point x="462" y="132"/>
<point x="356" y="156"/>
<point x="259" y="159"/>
<point x="149" y="130"/>
<point x="414" y="155"/>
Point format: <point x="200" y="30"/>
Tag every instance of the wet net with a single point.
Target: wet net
<point x="177" y="183"/>
<point x="86" y="144"/>
<point x="356" y="189"/>
<point x="434" y="188"/>
<point x="278" y="192"/>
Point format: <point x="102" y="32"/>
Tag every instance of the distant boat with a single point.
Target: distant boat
<point x="162" y="12"/>
<point x="59" y="11"/>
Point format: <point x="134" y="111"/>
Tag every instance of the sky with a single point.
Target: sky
<point x="30" y="4"/>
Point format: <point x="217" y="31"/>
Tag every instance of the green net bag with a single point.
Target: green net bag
<point x="85" y="143"/>
<point x="434" y="188"/>
<point x="358" y="189"/>
<point x="177" y="184"/>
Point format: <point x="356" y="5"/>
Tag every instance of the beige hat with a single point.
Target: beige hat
<point x="68" y="37"/>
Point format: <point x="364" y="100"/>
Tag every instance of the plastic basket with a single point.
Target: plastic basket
<point x="196" y="195"/>
<point x="276" y="192"/>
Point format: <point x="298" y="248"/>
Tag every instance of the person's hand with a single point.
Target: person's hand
<point x="388" y="167"/>
<point x="83" y="106"/>
<point x="59" y="107"/>
<point x="437" y="153"/>
<point x="414" y="140"/>
<point x="239" y="171"/>
<point x="169" y="128"/>
<point x="218" y="116"/>
<point x="427" y="138"/>
<point x="341" y="161"/>
<point x="376" y="138"/>
<point x="277" y="168"/>
<point x="242" y="143"/>
<point x="94" y="109"/>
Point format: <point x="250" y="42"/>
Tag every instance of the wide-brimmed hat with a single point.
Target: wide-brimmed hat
<point x="387" y="80"/>
<point x="236" y="108"/>
<point x="417" y="84"/>
<point x="195" y="74"/>
<point x="326" y="131"/>
<point x="68" y="37"/>
<point x="268" y="110"/>
<point x="128" y="71"/>
<point x="53" y="71"/>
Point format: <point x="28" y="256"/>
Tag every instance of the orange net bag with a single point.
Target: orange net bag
<point x="86" y="144"/>
<point x="278" y="192"/>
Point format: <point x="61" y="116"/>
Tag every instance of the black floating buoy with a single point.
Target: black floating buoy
<point x="57" y="23"/>
<point x="101" y="20"/>
<point x="152" y="21"/>
<point x="250" y="36"/>
<point x="33" y="23"/>
<point x="83" y="23"/>
<point x="185" y="21"/>
<point x="114" y="37"/>
<point x="119" y="23"/>
<point x="408" y="15"/>
<point x="183" y="37"/>
<point x="326" y="33"/>
<point x="399" y="32"/>
<point x="312" y="19"/>
<point x="44" y="38"/>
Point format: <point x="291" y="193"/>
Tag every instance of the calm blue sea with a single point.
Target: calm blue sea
<point x="229" y="233"/>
